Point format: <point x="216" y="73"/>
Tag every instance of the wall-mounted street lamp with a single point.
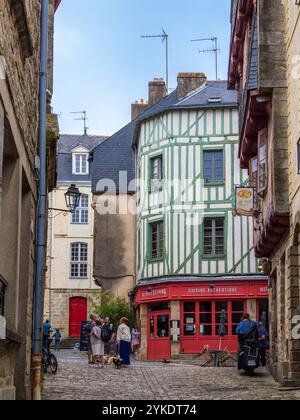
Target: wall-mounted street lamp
<point x="72" y="197"/>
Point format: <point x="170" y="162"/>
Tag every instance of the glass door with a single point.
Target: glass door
<point x="159" y="344"/>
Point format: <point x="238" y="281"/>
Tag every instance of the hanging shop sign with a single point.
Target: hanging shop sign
<point x="245" y="201"/>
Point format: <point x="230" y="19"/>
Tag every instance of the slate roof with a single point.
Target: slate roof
<point x="201" y="279"/>
<point x="65" y="145"/>
<point x="253" y="62"/>
<point x="117" y="153"/>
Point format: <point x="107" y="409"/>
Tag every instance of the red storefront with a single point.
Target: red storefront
<point x="184" y="316"/>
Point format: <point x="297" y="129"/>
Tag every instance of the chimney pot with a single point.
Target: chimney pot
<point x="188" y="82"/>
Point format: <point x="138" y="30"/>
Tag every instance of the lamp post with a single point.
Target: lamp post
<point x="72" y="197"/>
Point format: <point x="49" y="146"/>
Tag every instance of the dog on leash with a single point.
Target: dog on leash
<point x="115" y="360"/>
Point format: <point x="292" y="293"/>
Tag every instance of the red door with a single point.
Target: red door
<point x="159" y="344"/>
<point x="78" y="313"/>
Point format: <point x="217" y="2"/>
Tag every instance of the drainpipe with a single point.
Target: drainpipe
<point x="41" y="223"/>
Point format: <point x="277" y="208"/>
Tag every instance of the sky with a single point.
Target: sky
<point x="102" y="65"/>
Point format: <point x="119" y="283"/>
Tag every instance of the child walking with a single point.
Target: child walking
<point x="57" y="340"/>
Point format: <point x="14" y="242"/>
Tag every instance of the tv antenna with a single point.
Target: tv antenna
<point x="214" y="49"/>
<point x="165" y="38"/>
<point x="84" y="119"/>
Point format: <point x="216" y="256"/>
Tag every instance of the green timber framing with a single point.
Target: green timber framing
<point x="181" y="137"/>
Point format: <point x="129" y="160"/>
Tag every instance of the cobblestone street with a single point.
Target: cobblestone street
<point x="156" y="381"/>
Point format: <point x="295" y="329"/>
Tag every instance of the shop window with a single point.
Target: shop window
<point x="262" y="160"/>
<point x="263" y="312"/>
<point x="189" y="319"/>
<point x="156" y="173"/>
<point x="206" y="318"/>
<point x="214" y="237"/>
<point x="157" y="240"/>
<point x="158" y="307"/>
<point x="237" y="311"/>
<point x="221" y="315"/>
<point x="214" y="167"/>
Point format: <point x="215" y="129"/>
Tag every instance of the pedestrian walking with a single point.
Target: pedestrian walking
<point x="248" y="335"/>
<point x="57" y="340"/>
<point x="263" y="344"/>
<point x="124" y="342"/>
<point x="97" y="344"/>
<point x="88" y="331"/>
<point x="135" y="339"/>
<point x="108" y="335"/>
<point x="47" y="330"/>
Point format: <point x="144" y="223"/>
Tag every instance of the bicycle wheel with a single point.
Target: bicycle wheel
<point x="53" y="364"/>
<point x="44" y="365"/>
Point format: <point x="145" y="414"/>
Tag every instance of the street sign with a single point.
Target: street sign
<point x="245" y="201"/>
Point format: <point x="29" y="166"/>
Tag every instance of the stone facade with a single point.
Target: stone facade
<point x="272" y="77"/>
<point x="19" y="73"/>
<point x="114" y="249"/>
<point x="57" y="306"/>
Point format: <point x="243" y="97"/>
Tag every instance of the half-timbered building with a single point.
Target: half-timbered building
<point x="195" y="258"/>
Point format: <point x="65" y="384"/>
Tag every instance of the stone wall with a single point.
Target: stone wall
<point x="114" y="245"/>
<point x="19" y="113"/>
<point x="60" y="306"/>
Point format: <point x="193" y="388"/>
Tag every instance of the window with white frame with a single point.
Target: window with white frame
<point x="79" y="260"/>
<point x="81" y="214"/>
<point x="80" y="164"/>
<point x="262" y="160"/>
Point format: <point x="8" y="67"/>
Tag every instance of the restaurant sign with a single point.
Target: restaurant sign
<point x="245" y="201"/>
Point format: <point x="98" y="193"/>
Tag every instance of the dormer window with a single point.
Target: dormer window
<point x="80" y="164"/>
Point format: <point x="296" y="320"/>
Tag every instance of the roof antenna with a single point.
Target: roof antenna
<point x="214" y="49"/>
<point x="84" y="119"/>
<point x="165" y="38"/>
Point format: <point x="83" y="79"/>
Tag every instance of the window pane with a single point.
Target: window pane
<point x="205" y="318"/>
<point x="190" y="319"/>
<point x="157" y="240"/>
<point x="163" y="326"/>
<point x="236" y="318"/>
<point x="213" y="167"/>
<point x="205" y="306"/>
<point x="189" y="330"/>
<point x="238" y="306"/>
<point x="189" y="307"/>
<point x="152" y="326"/>
<point x="205" y="330"/>
<point x="220" y="306"/>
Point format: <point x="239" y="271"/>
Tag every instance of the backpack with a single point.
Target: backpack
<point x="89" y="328"/>
<point x="106" y="333"/>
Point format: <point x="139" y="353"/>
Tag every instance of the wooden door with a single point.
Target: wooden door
<point x="78" y="313"/>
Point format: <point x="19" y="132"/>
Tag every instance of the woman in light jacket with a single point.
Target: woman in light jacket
<point x="124" y="342"/>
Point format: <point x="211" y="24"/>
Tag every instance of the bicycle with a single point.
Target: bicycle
<point x="49" y="360"/>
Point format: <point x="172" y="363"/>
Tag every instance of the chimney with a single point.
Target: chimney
<point x="157" y="91"/>
<point x="138" y="108"/>
<point x="188" y="82"/>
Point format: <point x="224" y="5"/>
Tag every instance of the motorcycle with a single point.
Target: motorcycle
<point x="248" y="357"/>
